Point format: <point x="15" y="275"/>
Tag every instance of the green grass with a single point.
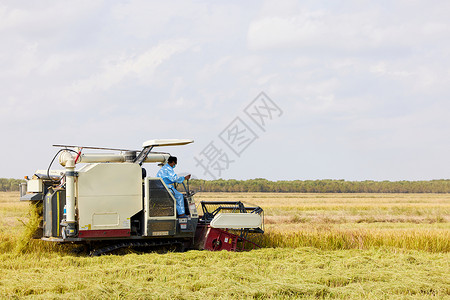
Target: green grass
<point x="350" y="249"/>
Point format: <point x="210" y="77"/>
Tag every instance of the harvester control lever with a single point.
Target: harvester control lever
<point x="186" y="188"/>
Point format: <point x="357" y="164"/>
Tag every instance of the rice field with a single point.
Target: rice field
<point x="345" y="246"/>
<point x="352" y="221"/>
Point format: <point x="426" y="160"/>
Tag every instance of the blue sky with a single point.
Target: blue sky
<point x="362" y="86"/>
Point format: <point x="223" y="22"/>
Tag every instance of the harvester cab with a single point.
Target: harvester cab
<point x="109" y="202"/>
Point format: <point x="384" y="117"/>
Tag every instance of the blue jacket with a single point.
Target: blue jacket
<point x="168" y="175"/>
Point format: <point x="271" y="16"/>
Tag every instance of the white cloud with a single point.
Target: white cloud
<point x="383" y="69"/>
<point x="140" y="67"/>
<point x="355" y="79"/>
<point x="352" y="29"/>
<point x="11" y="17"/>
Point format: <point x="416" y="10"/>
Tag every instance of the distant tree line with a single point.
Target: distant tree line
<point x="297" y="186"/>
<point x="10" y="184"/>
<point x="321" y="186"/>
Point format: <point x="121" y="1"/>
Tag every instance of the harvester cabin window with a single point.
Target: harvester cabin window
<point x="161" y="203"/>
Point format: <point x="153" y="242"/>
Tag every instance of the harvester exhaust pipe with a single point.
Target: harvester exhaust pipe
<point x="70" y="198"/>
<point x="129" y="156"/>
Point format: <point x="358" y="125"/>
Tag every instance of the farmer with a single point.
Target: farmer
<point x="169" y="177"/>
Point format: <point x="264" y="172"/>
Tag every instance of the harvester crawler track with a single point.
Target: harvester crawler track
<point x="138" y="244"/>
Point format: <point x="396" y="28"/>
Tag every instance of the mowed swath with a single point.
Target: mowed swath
<point x="344" y="246"/>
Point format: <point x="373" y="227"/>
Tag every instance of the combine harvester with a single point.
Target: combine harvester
<point x="110" y="203"/>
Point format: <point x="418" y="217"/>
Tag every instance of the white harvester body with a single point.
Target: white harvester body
<point x="108" y="196"/>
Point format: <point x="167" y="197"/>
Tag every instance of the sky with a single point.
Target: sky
<point x="283" y="90"/>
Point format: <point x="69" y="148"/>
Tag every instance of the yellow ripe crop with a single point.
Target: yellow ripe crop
<point x="345" y="246"/>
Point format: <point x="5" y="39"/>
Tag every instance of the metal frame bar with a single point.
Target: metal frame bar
<point x="233" y="206"/>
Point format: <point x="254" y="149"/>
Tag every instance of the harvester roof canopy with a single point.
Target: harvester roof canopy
<point x="167" y="142"/>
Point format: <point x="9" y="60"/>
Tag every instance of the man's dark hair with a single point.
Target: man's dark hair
<point x="172" y="159"/>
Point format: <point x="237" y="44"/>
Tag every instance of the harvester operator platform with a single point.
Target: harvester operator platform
<point x="169" y="177"/>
